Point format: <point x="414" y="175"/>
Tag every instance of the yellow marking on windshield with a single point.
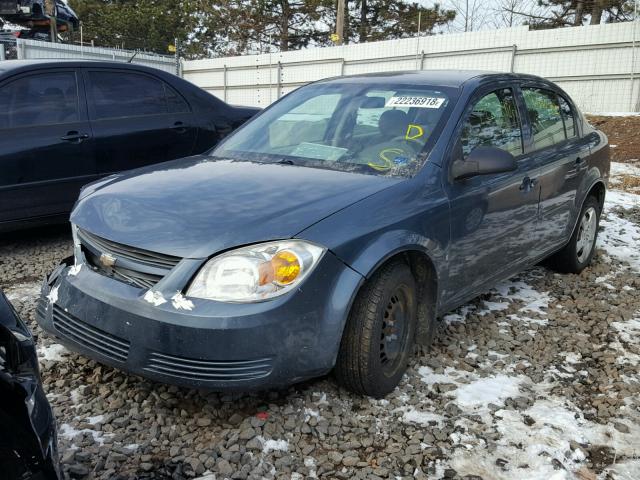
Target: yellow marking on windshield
<point x="411" y="135"/>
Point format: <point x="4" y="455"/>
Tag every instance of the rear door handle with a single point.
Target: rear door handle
<point x="179" y="127"/>
<point x="528" y="184"/>
<point x="74" y="137"/>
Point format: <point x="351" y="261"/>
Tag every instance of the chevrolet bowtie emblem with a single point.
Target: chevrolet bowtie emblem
<point x="107" y="260"/>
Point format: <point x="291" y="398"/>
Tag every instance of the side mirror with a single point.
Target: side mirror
<point x="483" y="161"/>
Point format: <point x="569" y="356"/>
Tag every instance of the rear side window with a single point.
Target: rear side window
<point x="545" y="117"/>
<point x="568" y="117"/>
<point x="124" y="94"/>
<point x="175" y="102"/>
<point x="42" y="99"/>
<point x="493" y="122"/>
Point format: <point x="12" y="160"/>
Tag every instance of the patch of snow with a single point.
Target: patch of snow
<point x="426" y="419"/>
<point x="274" y="445"/>
<point x="483" y="391"/>
<point x="492" y="307"/>
<point x="95" y="419"/>
<point x="620" y="239"/>
<point x="53" y="353"/>
<point x="618" y="168"/>
<point x="69" y="432"/>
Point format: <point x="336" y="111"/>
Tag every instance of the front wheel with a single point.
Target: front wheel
<point x="578" y="253"/>
<point x="379" y="335"/>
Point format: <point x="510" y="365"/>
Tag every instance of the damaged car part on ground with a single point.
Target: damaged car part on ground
<point x="27" y="427"/>
<point x="329" y="232"/>
<point x="38" y="14"/>
<point x="89" y="119"/>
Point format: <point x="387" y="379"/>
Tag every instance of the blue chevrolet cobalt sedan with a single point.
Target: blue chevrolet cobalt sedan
<point x="330" y="232"/>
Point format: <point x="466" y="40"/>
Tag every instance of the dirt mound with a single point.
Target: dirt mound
<point x="623" y="132"/>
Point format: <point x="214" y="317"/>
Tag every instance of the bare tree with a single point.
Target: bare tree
<point x="470" y="14"/>
<point x="511" y="13"/>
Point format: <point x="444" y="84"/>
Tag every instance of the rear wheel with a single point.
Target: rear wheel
<point x="379" y="335"/>
<point x="578" y="253"/>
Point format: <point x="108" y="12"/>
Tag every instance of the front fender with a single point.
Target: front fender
<point x="390" y="243"/>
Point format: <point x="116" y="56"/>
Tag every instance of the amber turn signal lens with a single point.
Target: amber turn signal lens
<point x="286" y="267"/>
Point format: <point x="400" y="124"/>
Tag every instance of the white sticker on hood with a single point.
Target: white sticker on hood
<point x="53" y="295"/>
<point x="180" y="303"/>
<point x="154" y="297"/>
<point x="75" y="270"/>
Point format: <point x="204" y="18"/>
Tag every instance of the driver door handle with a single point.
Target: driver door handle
<point x="74" y="137"/>
<point x="528" y="184"/>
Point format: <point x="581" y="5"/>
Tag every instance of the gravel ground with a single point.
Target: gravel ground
<point x="537" y="379"/>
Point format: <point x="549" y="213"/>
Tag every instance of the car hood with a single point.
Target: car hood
<point x="198" y="206"/>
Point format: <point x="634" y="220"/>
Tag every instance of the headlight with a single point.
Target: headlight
<point x="257" y="272"/>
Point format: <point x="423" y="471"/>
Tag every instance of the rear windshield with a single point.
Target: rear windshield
<point x="377" y="129"/>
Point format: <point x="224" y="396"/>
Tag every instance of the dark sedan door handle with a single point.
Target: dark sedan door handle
<point x="179" y="127"/>
<point x="74" y="137"/>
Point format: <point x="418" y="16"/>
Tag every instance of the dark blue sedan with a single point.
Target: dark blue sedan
<point x="330" y="232"/>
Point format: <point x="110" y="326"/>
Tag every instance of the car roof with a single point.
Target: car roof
<point x="444" y="78"/>
<point x="15" y="65"/>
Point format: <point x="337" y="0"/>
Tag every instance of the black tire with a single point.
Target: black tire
<point x="577" y="254"/>
<point x="370" y="362"/>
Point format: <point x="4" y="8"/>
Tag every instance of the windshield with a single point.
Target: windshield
<point x="377" y="129"/>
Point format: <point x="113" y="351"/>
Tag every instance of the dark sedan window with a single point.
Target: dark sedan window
<point x="120" y="94"/>
<point x="568" y="117"/>
<point x="493" y="122"/>
<point x="175" y="102"/>
<point x="545" y="117"/>
<point x="44" y="99"/>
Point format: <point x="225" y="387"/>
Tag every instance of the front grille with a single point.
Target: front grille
<point x="135" y="266"/>
<point x="208" y="370"/>
<point x="90" y="337"/>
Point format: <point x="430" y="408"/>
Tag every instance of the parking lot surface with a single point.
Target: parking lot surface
<point x="538" y="379"/>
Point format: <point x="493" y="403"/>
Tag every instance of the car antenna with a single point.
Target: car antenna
<point x="133" y="56"/>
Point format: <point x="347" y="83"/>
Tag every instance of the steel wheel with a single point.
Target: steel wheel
<point x="393" y="335"/>
<point x="586" y="234"/>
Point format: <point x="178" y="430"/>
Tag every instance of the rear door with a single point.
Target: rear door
<point x="137" y="119"/>
<point x="560" y="155"/>
<point x="492" y="216"/>
<point x="46" y="148"/>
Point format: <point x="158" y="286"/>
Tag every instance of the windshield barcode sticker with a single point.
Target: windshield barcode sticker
<point x="420" y="102"/>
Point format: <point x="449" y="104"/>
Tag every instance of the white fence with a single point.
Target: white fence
<point x="597" y="65"/>
<point x="32" y="49"/>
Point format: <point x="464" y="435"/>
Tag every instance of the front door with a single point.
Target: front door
<point x="46" y="147"/>
<point x="492" y="216"/>
<point x="137" y="120"/>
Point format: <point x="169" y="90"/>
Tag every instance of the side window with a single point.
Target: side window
<point x="568" y="117"/>
<point x="545" y="117"/>
<point x="493" y="122"/>
<point x="42" y="99"/>
<point x="120" y="94"/>
<point x="175" y="102"/>
<point x="308" y="122"/>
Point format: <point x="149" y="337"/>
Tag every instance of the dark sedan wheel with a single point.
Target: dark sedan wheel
<point x="379" y="334"/>
<point x="578" y="253"/>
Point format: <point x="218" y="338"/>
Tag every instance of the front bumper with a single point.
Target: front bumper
<point x="216" y="346"/>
